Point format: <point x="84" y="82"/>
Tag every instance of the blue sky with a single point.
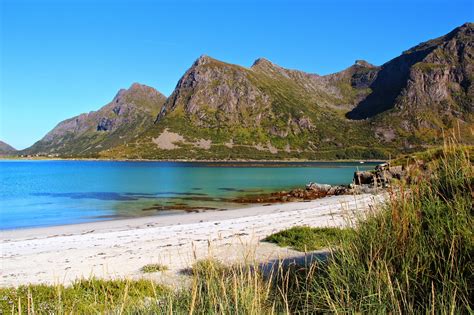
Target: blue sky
<point x="63" y="58"/>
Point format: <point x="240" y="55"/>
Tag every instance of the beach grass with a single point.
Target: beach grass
<point x="150" y="268"/>
<point x="305" y="238"/>
<point x="86" y="296"/>
<point x="412" y="255"/>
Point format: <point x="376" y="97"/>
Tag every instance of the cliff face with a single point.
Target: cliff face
<point x="443" y="80"/>
<point x="6" y="149"/>
<point x="216" y="92"/>
<point x="426" y="89"/>
<point x="124" y="118"/>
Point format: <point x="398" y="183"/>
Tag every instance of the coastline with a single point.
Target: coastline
<point x="244" y="162"/>
<point x="119" y="248"/>
<point x="3" y="158"/>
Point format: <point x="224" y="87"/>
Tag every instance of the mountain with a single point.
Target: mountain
<point x="122" y="120"/>
<point x="6" y="149"/>
<point x="220" y="110"/>
<point x="425" y="90"/>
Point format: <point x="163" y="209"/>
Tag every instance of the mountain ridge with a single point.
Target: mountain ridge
<point x="220" y="110"/>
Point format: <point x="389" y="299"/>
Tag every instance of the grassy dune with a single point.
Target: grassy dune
<point x="414" y="255"/>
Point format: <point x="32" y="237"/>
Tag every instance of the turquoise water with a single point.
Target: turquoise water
<point x="46" y="193"/>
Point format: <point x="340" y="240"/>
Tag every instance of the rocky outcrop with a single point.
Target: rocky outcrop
<point x="214" y="93"/>
<point x="382" y="176"/>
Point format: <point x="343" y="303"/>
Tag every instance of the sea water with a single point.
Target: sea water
<point x="47" y="193"/>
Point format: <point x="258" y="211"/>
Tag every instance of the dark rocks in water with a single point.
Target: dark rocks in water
<point x="91" y="195"/>
<point x="310" y="192"/>
<point x="179" y="207"/>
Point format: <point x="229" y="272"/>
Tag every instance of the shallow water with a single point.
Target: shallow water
<point x="45" y="193"/>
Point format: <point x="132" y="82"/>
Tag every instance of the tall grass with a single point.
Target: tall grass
<point x="91" y="296"/>
<point x="413" y="255"/>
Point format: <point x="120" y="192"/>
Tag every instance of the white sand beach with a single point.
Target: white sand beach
<point x="120" y="248"/>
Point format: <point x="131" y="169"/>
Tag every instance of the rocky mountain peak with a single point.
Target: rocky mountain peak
<point x="139" y="87"/>
<point x="262" y="62"/>
<point x="363" y="63"/>
<point x="465" y="29"/>
<point x="202" y="60"/>
<point x="211" y="88"/>
<point x="127" y="115"/>
<point x="140" y="95"/>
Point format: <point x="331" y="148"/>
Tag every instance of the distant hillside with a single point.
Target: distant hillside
<point x="225" y="111"/>
<point x="122" y="120"/>
<point x="6" y="149"/>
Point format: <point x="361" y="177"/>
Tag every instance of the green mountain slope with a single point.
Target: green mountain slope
<point x="220" y="110"/>
<point x="130" y="113"/>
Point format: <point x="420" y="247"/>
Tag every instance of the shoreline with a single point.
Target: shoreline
<point x="189" y="160"/>
<point x="120" y="248"/>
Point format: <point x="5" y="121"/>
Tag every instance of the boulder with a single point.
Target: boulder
<point x="382" y="167"/>
<point x="338" y="190"/>
<point x="396" y="171"/>
<point x="364" y="178"/>
<point x="318" y="187"/>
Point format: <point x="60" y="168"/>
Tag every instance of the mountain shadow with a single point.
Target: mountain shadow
<point x="387" y="86"/>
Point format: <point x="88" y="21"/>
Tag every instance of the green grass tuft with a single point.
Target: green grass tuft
<point x="304" y="238"/>
<point x="154" y="268"/>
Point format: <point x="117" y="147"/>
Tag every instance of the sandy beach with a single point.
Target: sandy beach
<point x="119" y="248"/>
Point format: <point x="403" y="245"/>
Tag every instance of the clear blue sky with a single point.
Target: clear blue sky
<point x="62" y="58"/>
